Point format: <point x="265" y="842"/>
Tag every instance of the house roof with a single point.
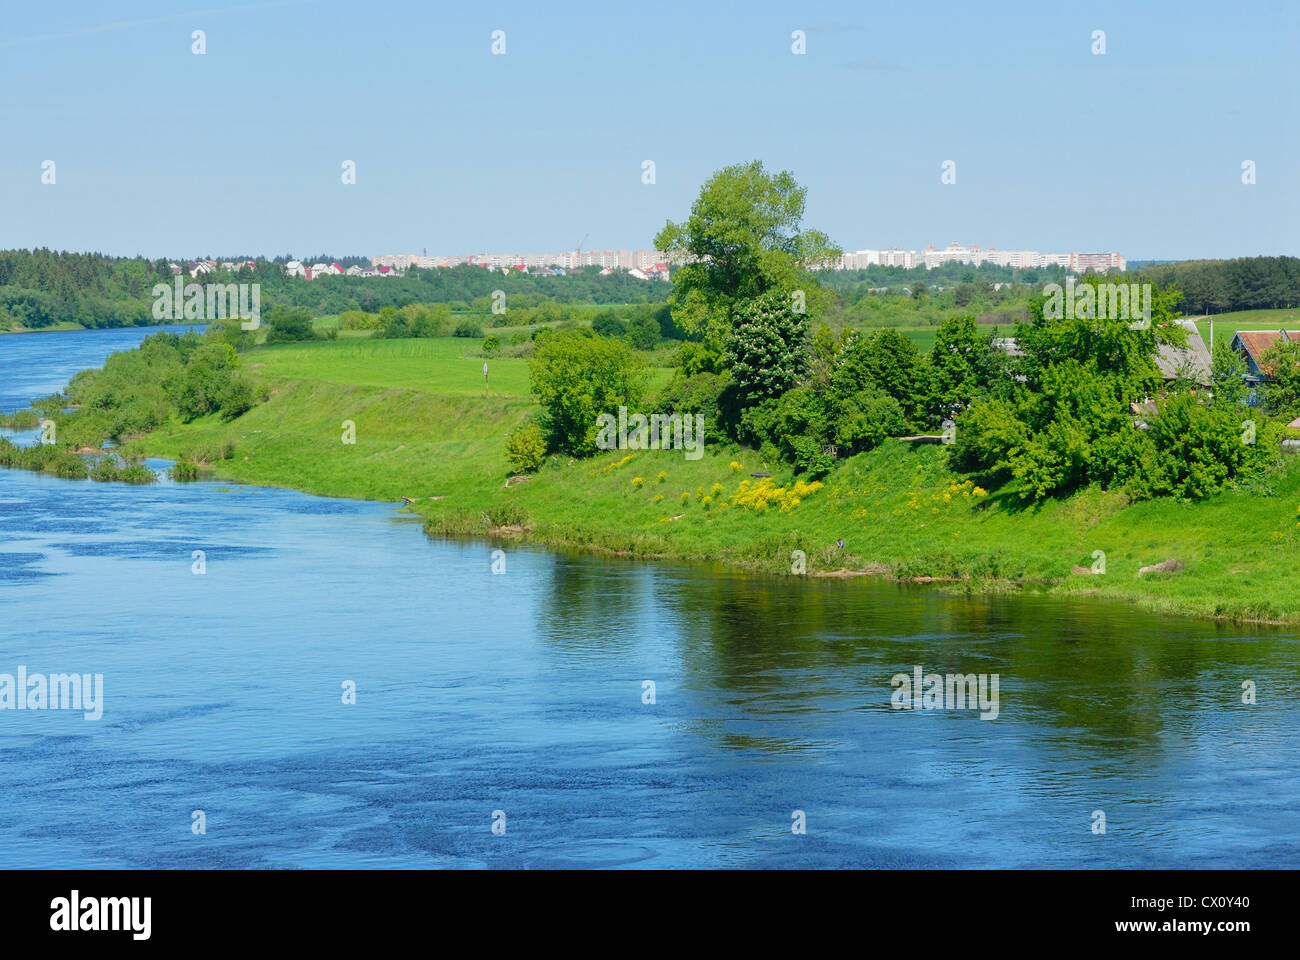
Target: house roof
<point x="1256" y="342"/>
<point x="1192" y="361"/>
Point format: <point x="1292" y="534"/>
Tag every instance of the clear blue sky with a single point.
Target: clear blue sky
<point x="165" y="153"/>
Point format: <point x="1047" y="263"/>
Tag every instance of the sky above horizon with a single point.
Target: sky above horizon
<point x="162" y="152"/>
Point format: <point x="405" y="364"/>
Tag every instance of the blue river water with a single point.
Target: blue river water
<point x="36" y="365"/>
<point x="520" y="697"/>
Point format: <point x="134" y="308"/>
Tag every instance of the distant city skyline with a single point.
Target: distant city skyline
<point x="245" y="147"/>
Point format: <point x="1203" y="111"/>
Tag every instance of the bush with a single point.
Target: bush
<point x="237" y="397"/>
<point x="491" y="346"/>
<point x="887" y="360"/>
<point x="792" y="426"/>
<point x="577" y="376"/>
<point x="1199" y="450"/>
<point x="184" y="470"/>
<point x="862" y="421"/>
<point x="800" y="425"/>
<point x="526" y="448"/>
<point x="607" y="324"/>
<point x="711" y="394"/>
<point x="469" y="329"/>
<point x="358" y="320"/>
<point x="289" y="324"/>
<point x="110" y="467"/>
<point x="207" y="384"/>
<point x="643" y="332"/>
<point x="990" y="431"/>
<point x="136" y="473"/>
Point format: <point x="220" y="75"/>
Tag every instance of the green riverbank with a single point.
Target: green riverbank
<point x="423" y="430"/>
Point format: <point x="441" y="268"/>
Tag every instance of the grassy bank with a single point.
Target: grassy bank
<point x="54" y="327"/>
<point x="423" y="430"/>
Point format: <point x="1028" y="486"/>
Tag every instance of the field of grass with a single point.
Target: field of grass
<point x="1227" y="324"/>
<point x="447" y="365"/>
<point x="424" y="431"/>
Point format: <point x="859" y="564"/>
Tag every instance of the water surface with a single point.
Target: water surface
<point x="36" y="365"/>
<point x="522" y="692"/>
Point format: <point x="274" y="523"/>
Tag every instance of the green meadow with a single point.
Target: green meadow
<point x="424" y="431"/>
<point x="1227" y="324"/>
<point x="451" y="366"/>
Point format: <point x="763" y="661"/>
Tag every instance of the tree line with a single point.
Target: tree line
<point x="44" y="288"/>
<point x="1080" y="402"/>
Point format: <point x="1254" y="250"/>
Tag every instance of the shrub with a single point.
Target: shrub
<point x="237" y="397"/>
<point x="713" y="395"/>
<point x="110" y="467"/>
<point x="288" y="324"/>
<point x="577" y="376"/>
<point x="184" y="470"/>
<point x="607" y="324"/>
<point x="136" y="473"/>
<point x="468" y="329"/>
<point x="643" y="332"/>
<point x="358" y="320"/>
<point x="864" y="419"/>
<point x="491" y="346"/>
<point x="1199" y="450"/>
<point x="526" y="448"/>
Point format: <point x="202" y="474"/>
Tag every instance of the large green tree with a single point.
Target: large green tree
<point x="742" y="239"/>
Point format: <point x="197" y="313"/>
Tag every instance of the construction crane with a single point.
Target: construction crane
<point x="581" y="242"/>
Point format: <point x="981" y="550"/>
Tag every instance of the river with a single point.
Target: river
<point x="519" y="698"/>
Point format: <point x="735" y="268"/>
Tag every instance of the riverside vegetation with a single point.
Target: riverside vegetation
<point x="1048" y="471"/>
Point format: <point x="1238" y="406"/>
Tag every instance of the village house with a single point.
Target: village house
<point x="1190" y="363"/>
<point x="1251" y="345"/>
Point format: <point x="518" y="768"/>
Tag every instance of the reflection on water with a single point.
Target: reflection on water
<point x="522" y="692"/>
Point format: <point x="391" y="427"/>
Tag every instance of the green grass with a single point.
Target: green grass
<point x="443" y="366"/>
<point x="449" y="366"/>
<point x="63" y="325"/>
<point x="424" y="430"/>
<point x="1227" y="324"/>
